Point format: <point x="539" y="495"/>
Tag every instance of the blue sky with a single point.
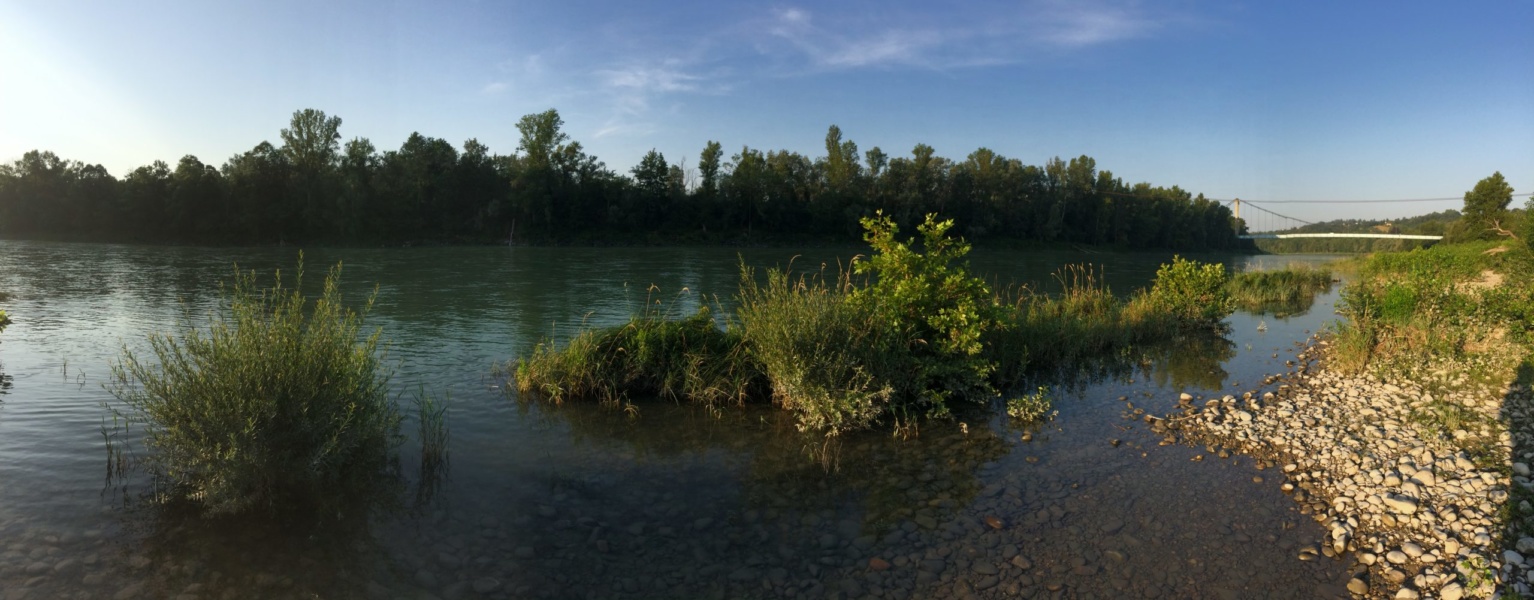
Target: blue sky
<point x="1258" y="100"/>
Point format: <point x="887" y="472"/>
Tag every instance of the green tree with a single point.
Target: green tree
<point x="708" y="169"/>
<point x="312" y="139"/>
<point x="652" y="177"/>
<point x="1486" y="205"/>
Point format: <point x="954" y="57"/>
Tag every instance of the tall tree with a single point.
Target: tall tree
<point x="1486" y="205"/>
<point x="708" y="168"/>
<point x="312" y="144"/>
<point x="312" y="140"/>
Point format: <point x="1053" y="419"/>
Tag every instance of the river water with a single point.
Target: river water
<point x="587" y="502"/>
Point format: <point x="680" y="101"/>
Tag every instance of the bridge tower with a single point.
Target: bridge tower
<point x="1237" y="204"/>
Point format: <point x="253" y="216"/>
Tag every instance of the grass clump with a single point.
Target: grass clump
<point x="832" y="362"/>
<point x="278" y="403"/>
<point x="689" y="358"/>
<point x="1283" y="292"/>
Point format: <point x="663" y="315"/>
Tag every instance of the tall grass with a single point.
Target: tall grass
<point x="280" y="402"/>
<point x="431" y="418"/>
<point x="1283" y="292"/>
<point x="830" y="361"/>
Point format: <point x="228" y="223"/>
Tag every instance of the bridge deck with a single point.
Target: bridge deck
<point x="1381" y="236"/>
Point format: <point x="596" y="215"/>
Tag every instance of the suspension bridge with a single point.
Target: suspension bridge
<point x="1265" y="220"/>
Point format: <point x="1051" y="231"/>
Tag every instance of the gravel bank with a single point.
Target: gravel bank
<point x="1388" y="470"/>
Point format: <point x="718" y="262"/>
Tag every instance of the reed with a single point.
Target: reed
<point x="1282" y="292"/>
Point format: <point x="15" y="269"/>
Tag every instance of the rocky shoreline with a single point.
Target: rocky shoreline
<point x="1403" y="497"/>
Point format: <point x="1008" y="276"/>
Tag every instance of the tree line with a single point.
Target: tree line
<point x="313" y="188"/>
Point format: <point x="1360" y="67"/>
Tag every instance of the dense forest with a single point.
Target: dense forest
<point x="1438" y="223"/>
<point x="312" y="188"/>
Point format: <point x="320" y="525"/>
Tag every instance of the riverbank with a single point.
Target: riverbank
<point x="1405" y="434"/>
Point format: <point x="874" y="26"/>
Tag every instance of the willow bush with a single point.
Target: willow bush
<point x="280" y="402"/>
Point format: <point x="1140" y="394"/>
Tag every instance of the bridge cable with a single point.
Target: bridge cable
<point x="1366" y="201"/>
<point x="1250" y="204"/>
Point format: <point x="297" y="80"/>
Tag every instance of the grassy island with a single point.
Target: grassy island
<point x="905" y="333"/>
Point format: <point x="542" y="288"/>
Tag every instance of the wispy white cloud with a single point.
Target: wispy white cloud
<point x="1085" y="24"/>
<point x="494" y="87"/>
<point x="633" y="75"/>
<point x="996" y="35"/>
<point x="649" y="79"/>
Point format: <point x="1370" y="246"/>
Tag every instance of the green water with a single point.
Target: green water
<point x="584" y="502"/>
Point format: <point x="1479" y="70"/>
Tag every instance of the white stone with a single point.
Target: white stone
<point x="1402" y="504"/>
<point x="1526" y="544"/>
<point x="1512" y="557"/>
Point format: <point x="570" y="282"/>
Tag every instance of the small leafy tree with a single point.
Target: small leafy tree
<point x="933" y="304"/>
<point x="1191" y="293"/>
<point x="276" y="404"/>
<point x="1486" y="206"/>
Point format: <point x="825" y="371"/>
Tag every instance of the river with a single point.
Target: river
<point x="587" y="502"/>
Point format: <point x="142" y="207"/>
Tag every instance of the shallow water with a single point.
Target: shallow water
<point x="580" y="501"/>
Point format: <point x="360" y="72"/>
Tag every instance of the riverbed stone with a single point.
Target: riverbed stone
<point x="130" y="591"/>
<point x="1402" y="504"/>
<point x="1452" y="591"/>
<point x="1358" y="586"/>
<point x="486" y="585"/>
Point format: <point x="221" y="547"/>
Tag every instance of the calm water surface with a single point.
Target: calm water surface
<point x="585" y="502"/>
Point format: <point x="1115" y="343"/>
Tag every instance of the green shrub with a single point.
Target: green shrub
<point x="4" y="320"/>
<point x="937" y="309"/>
<point x="278" y="403"/>
<point x="1031" y="407"/>
<point x="1192" y="293"/>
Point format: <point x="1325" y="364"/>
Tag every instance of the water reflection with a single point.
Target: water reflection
<point x="1192" y="361"/>
<point x="882" y="478"/>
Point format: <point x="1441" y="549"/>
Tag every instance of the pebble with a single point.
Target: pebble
<point x="486" y="585"/>
<point x="1356" y="461"/>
